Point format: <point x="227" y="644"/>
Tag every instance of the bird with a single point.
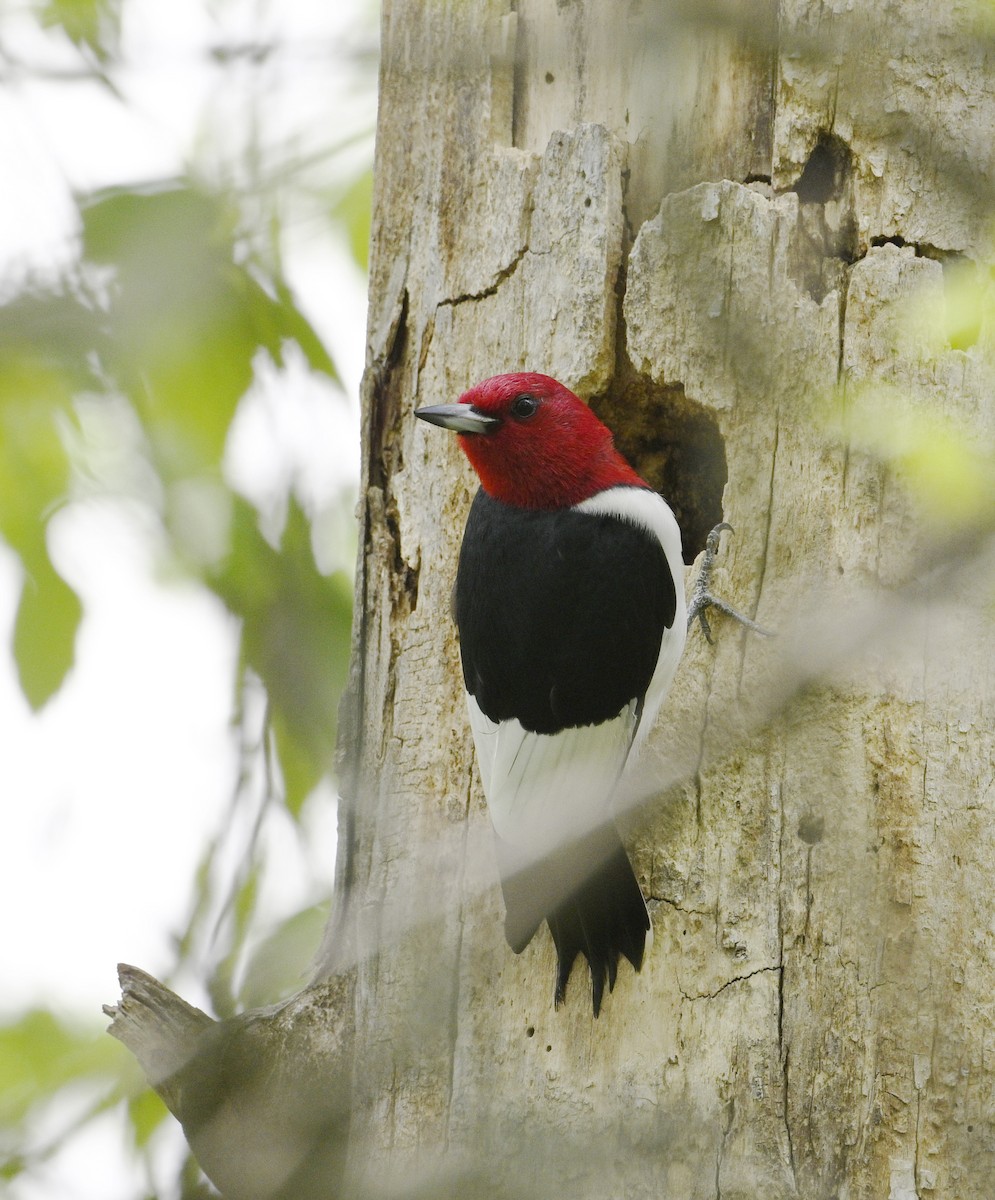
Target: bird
<point x="570" y="608"/>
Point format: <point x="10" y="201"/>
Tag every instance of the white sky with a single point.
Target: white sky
<point x="108" y="795"/>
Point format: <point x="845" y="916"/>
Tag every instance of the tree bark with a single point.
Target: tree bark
<point x="707" y="221"/>
<point x="707" y="232"/>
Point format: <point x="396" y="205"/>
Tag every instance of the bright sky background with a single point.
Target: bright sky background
<point x="108" y="795"/>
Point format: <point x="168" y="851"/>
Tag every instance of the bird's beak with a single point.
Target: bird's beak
<point x="461" y="418"/>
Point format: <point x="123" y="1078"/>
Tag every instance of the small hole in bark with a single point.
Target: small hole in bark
<point x="675" y="445"/>
<point x="811" y="829"/>
<point x="825" y="175"/>
<point x="550" y="77"/>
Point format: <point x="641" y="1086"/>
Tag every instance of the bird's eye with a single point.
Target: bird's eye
<point x="524" y="407"/>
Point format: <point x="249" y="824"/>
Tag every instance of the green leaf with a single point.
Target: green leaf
<point x="35" y="396"/>
<point x="295" y="636"/>
<point x="55" y="330"/>
<point x="48" y="617"/>
<point x="241" y="907"/>
<point x="296" y="327"/>
<point x="146" y="1112"/>
<point x="183" y="333"/>
<point x="301" y="770"/>
<point x="354" y="210"/>
<point x="94" y="24"/>
<point x="187" y="316"/>
<point x="34" y="467"/>
<point x="277" y="319"/>
<point x="116" y="221"/>
<point x="41" y="1054"/>
<point x="277" y="966"/>
<point x="11" y="1167"/>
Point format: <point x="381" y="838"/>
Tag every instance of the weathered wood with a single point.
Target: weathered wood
<point x="709" y="219"/>
<point x="850" y="880"/>
<point x="776" y="1039"/>
<point x="908" y="93"/>
<point x="263" y="1098"/>
<point x="160" y="1028"/>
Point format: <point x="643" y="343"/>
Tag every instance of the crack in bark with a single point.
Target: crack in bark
<point x="783" y="1049"/>
<point x="671" y="903"/>
<point x="841" y="375"/>
<point x="502" y="276"/>
<point x="785" y="1052"/>
<point x="922" y="249"/>
<point x="352" y="736"/>
<point x="774" y="967"/>
<point x="847" y="272"/>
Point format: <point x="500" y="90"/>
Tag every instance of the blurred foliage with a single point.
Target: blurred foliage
<point x="94" y="26"/>
<point x="273" y="966"/>
<point x="175" y="328"/>
<point x="43" y="363"/>
<point x="354" y="208"/>
<point x="293" y="621"/>
<point x="40" y="1053"/>
<point x="122" y="378"/>
<point x="945" y="466"/>
<point x="944" y="457"/>
<point x="43" y="1055"/>
<point x="968" y="305"/>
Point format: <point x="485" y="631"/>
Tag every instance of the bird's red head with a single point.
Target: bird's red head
<point x="533" y="443"/>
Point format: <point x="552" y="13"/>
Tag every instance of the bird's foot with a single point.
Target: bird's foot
<point x="701" y="595"/>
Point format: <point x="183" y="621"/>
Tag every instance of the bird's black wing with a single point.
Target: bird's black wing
<point x="560" y="614"/>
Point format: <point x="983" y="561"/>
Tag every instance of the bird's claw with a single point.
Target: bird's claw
<point x="701" y="595"/>
<point x="712" y="543"/>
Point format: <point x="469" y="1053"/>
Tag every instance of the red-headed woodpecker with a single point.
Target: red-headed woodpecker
<point x="570" y="606"/>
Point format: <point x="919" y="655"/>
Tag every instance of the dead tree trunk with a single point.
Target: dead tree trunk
<point x="705" y="224"/>
<point x="706" y="220"/>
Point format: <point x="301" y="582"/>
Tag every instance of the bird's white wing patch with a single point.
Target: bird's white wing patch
<point x="651" y="512"/>
<point x="542" y="788"/>
<point x="648" y="509"/>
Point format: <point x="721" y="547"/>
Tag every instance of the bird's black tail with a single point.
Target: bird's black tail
<point x="588" y="894"/>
